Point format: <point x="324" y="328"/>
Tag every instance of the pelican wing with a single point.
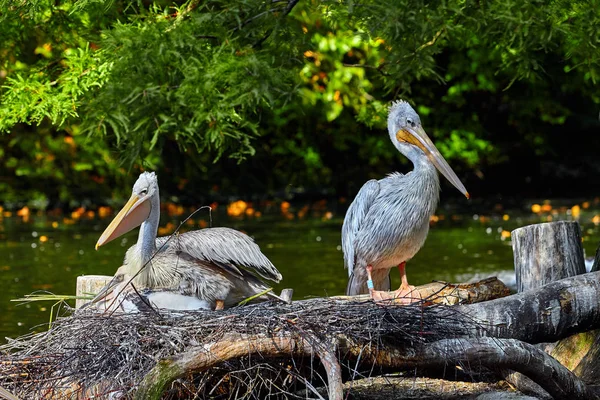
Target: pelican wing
<point x="209" y="281"/>
<point x="354" y="219"/>
<point x="225" y="247"/>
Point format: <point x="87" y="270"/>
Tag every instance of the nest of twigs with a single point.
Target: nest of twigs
<point x="88" y="352"/>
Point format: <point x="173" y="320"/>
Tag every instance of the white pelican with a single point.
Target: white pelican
<point x="211" y="265"/>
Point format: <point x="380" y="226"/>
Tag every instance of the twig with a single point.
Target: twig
<point x="432" y="41"/>
<point x="255" y="296"/>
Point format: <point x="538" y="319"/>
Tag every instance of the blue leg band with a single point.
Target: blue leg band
<point x="370" y="284"/>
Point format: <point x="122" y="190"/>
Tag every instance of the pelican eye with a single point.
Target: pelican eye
<point x="144" y="191"/>
<point x="410" y="122"/>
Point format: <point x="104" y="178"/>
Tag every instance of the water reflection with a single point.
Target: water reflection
<point x="45" y="254"/>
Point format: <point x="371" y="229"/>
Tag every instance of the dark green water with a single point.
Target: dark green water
<point x="307" y="252"/>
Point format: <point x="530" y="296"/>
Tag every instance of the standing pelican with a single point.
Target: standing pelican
<point x="208" y="264"/>
<point x="388" y="221"/>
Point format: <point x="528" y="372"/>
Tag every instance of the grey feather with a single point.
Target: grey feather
<point x="393" y="227"/>
<point x="224" y="246"/>
<point x="354" y="219"/>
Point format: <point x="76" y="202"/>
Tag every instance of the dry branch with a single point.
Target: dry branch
<point x="232" y="346"/>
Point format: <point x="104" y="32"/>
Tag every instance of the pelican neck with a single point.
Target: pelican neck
<point x="146" y="244"/>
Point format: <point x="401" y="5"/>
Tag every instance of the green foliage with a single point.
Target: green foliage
<point x="301" y="88"/>
<point x="195" y="81"/>
<point x="33" y="97"/>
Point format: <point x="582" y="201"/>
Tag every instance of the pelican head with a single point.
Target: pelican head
<point x="137" y="210"/>
<point x="410" y="139"/>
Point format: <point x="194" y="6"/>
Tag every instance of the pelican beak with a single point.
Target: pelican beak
<point x="136" y="211"/>
<point x="419" y="138"/>
<point x="107" y="290"/>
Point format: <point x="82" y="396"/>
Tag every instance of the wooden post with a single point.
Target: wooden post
<point x="89" y="284"/>
<point x="544" y="253"/>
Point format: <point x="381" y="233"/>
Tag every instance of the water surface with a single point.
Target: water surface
<point x="47" y="253"/>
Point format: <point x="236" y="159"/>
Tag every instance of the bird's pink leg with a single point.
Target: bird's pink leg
<point x="406" y="292"/>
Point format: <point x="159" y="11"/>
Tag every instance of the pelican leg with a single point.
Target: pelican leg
<point x="406" y="292"/>
<point x="376" y="295"/>
<point x="219" y="305"/>
<point x="370" y="285"/>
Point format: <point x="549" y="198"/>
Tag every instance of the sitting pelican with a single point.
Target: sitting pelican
<point x="210" y="264"/>
<point x="388" y="221"/>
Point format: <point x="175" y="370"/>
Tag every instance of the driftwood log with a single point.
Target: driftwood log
<point x="449" y="293"/>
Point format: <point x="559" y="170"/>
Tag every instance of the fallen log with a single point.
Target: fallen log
<point x="552" y="312"/>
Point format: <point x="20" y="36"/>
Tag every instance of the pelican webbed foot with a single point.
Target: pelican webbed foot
<point x="219" y="305"/>
<point x="404" y="295"/>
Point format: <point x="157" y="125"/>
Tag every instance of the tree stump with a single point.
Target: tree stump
<point x="544" y="253"/>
